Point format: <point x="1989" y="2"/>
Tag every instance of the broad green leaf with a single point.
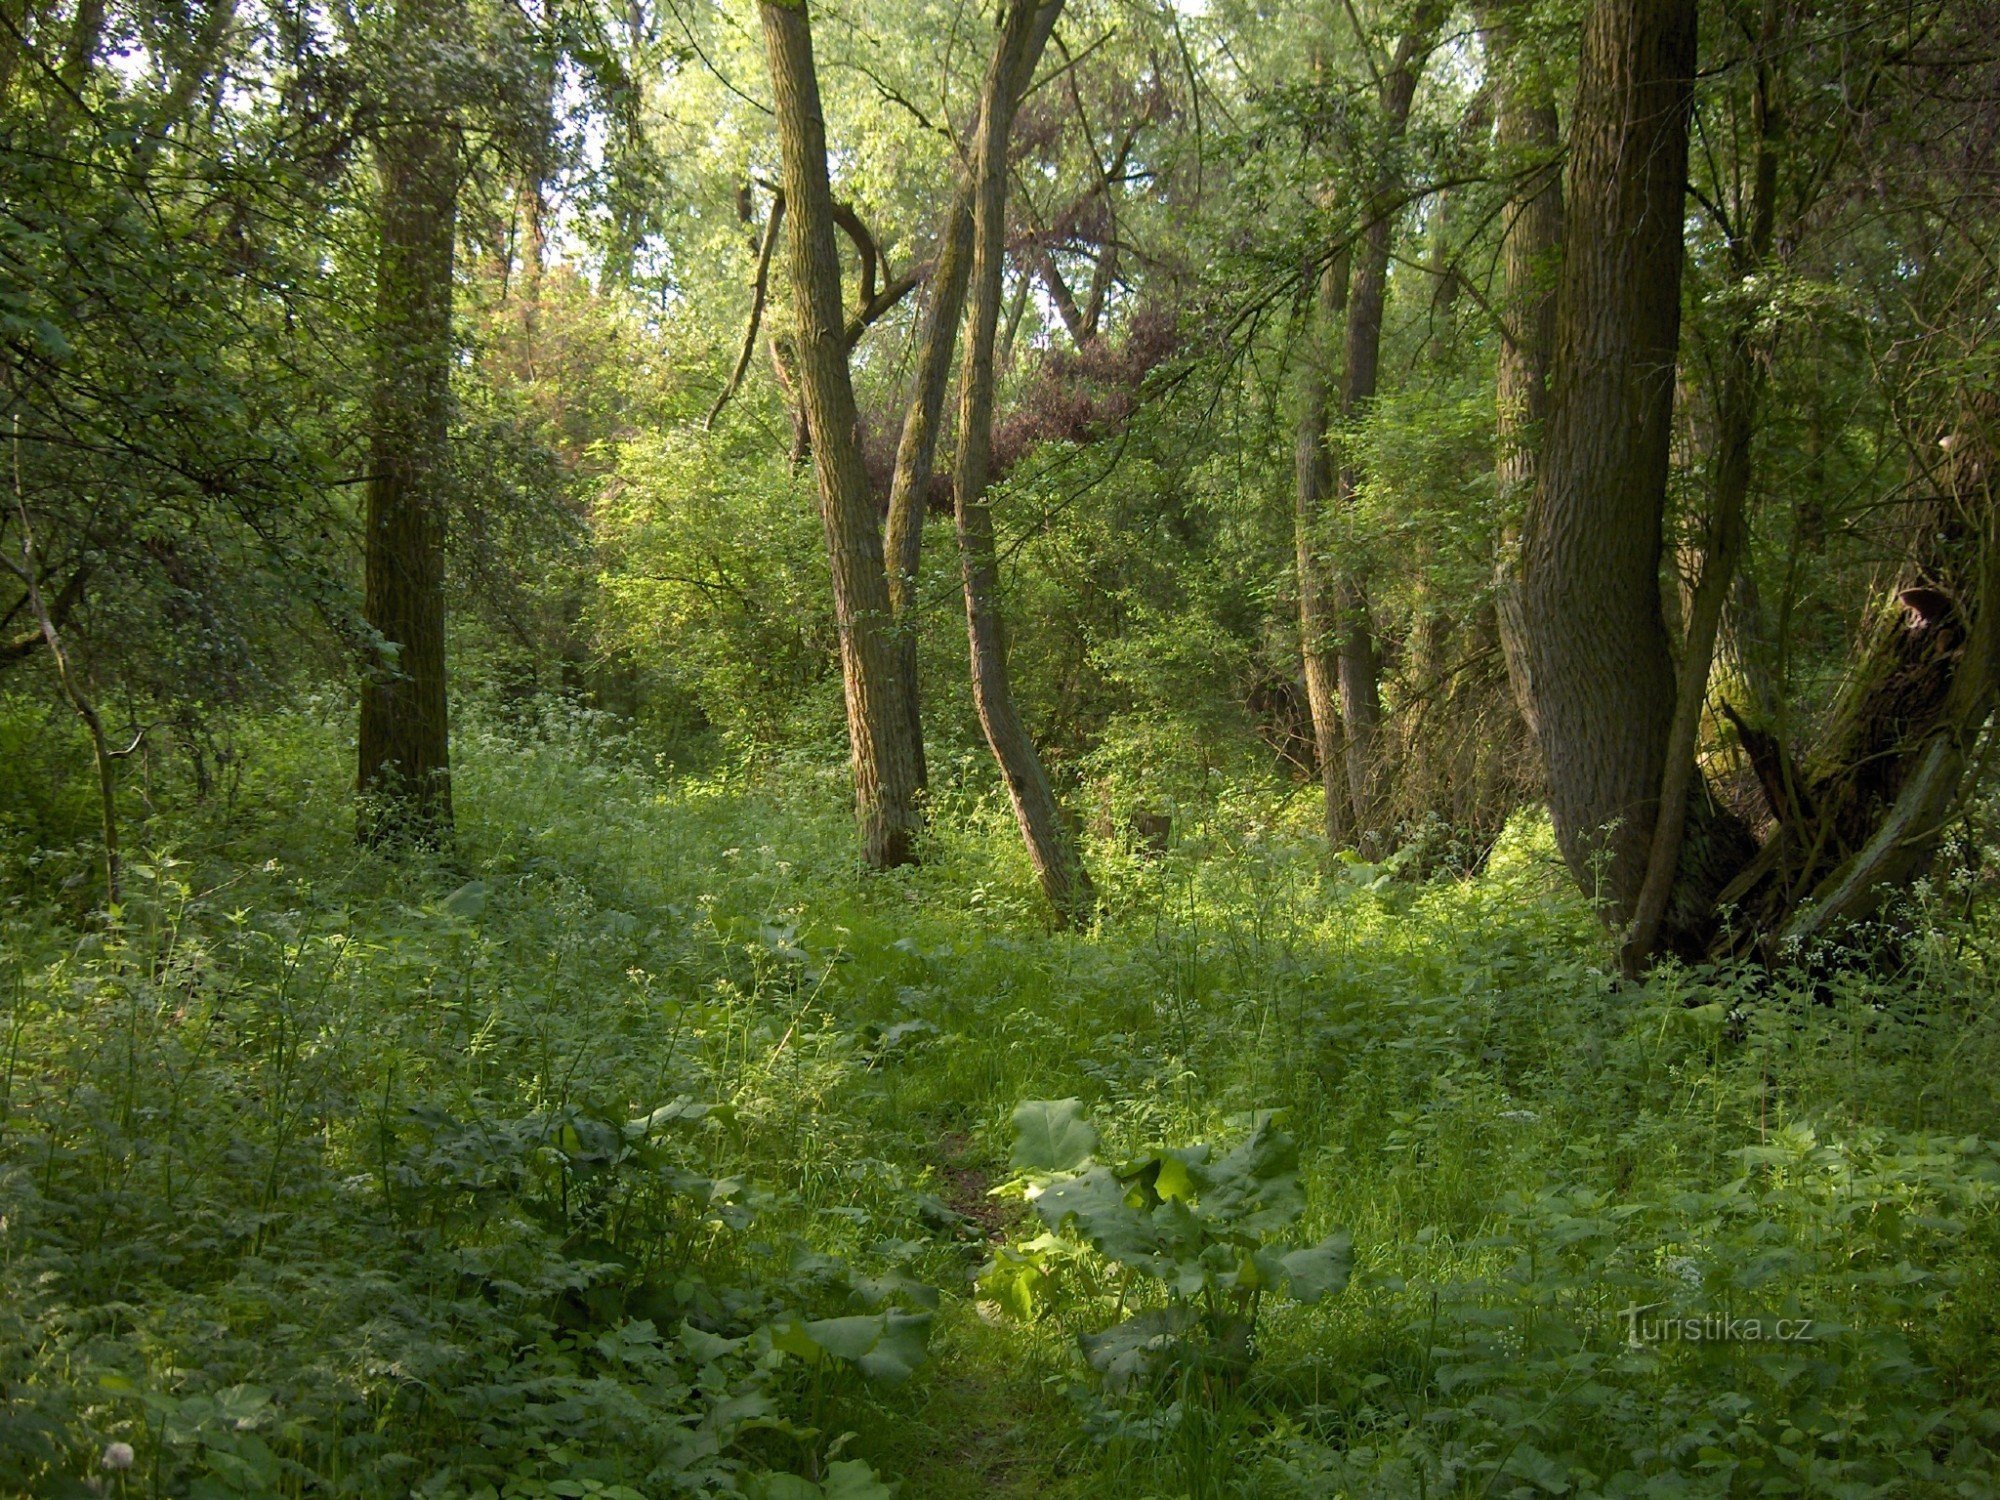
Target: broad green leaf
<point x="1137" y="1348"/>
<point x="467" y="902"/>
<point x="851" y="1479"/>
<point x="904" y="1342"/>
<point x="1051" y="1135"/>
<point x="1319" y="1270"/>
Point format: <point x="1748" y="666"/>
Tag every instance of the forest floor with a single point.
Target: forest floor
<point x="643" y="1146"/>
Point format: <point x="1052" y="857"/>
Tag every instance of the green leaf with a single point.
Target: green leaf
<point x="1137" y="1348"/>
<point x="1100" y="1207"/>
<point x="1051" y="1135"/>
<point x="885" y="1346"/>
<point x="467" y="902"/>
<point x="1319" y="1270"/>
<point x="851" y="1479"/>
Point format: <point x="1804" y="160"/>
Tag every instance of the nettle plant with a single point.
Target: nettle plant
<point x="1204" y="1230"/>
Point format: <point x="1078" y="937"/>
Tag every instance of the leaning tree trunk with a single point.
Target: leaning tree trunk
<point x="1051" y="847"/>
<point x="1729" y="522"/>
<point x="1600" y="666"/>
<point x="878" y="720"/>
<point x="1866" y="810"/>
<point x="1527" y="141"/>
<point x="405" y="766"/>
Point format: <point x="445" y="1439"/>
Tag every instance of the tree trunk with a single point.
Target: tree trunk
<point x="916" y="449"/>
<point x="1728" y="530"/>
<point x="1601" y="669"/>
<point x="405" y="776"/>
<point x="878" y="721"/>
<point x="916" y="454"/>
<point x="1051" y="847"/>
<point x="1360" y="662"/>
<point x="1527" y="139"/>
<point x="1313" y="486"/>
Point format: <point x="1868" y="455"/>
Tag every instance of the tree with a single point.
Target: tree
<point x="405" y="740"/>
<point x="878" y="718"/>
<point x="1335" y="612"/>
<point x="1526" y="142"/>
<point x="1051" y="846"/>
<point x="1600" y="667"/>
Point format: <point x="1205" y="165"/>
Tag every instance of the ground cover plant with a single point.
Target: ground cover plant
<point x="643" y="1146"/>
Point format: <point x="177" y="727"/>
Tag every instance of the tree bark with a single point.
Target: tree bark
<point x="878" y="720"/>
<point x="1051" y="847"/>
<point x="1728" y="531"/>
<point x="1601" y="669"/>
<point x="405" y="763"/>
<point x="1527" y="138"/>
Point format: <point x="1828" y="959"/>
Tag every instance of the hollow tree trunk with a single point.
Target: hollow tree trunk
<point x="405" y="762"/>
<point x="1601" y="669"/>
<point x="1527" y="139"/>
<point x="1865" y="811"/>
<point x="878" y="721"/>
<point x="1051" y="847"/>
<point x="1312" y="488"/>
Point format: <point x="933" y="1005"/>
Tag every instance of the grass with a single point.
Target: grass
<point x="317" y="1179"/>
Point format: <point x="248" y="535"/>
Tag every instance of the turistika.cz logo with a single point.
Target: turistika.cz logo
<point x="1710" y="1328"/>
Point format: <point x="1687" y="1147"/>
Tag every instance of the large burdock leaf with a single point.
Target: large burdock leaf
<point x="1051" y="1135"/>
<point x="1319" y="1270"/>
<point x="1101" y="1208"/>
<point x="885" y="1346"/>
<point x="1135" y="1349"/>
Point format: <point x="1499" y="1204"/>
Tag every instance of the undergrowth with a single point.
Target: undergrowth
<point x="642" y="1146"/>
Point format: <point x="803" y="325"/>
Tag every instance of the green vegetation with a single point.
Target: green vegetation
<point x="644" y="1145"/>
<point x="923" y="749"/>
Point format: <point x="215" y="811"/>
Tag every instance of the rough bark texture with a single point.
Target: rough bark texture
<point x="1598" y="656"/>
<point x="878" y="722"/>
<point x="1312" y="488"/>
<point x="1527" y="140"/>
<point x="1051" y="846"/>
<point x="405" y="764"/>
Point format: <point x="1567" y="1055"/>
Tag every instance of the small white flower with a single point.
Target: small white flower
<point x="117" y="1455"/>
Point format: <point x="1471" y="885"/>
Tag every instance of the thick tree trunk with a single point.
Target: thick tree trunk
<point x="1360" y="664"/>
<point x="1601" y="668"/>
<point x="1051" y="846"/>
<point x="1312" y="488"/>
<point x="405" y="775"/>
<point x="878" y="720"/>
<point x="1527" y="139"/>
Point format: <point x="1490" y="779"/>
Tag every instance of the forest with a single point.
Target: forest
<point x="1092" y="749"/>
